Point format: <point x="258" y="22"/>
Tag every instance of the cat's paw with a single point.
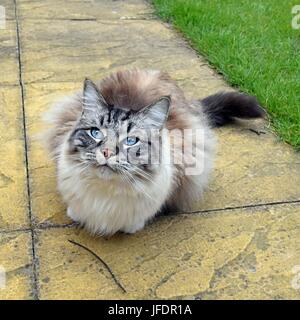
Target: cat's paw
<point x="133" y="228"/>
<point x="72" y="215"/>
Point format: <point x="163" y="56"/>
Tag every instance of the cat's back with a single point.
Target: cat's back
<point x="135" y="89"/>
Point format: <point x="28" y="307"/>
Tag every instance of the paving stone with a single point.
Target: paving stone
<point x="15" y="266"/>
<point x="46" y="204"/>
<point x="237" y="254"/>
<point x="72" y="50"/>
<point x="242" y="253"/>
<point x="9" y="8"/>
<point x="13" y="186"/>
<point x="9" y="67"/>
<point x="252" y="169"/>
<point x="84" y="10"/>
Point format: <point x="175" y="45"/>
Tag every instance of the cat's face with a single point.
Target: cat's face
<point x="117" y="142"/>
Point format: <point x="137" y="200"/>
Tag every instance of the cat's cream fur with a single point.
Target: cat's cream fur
<point x="107" y="204"/>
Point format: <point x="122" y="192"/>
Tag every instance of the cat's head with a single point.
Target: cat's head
<point x="116" y="141"/>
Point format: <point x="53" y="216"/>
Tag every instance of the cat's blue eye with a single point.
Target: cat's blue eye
<point x="96" y="133"/>
<point x="130" y="141"/>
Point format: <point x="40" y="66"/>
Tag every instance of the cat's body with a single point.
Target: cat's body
<point x="94" y="135"/>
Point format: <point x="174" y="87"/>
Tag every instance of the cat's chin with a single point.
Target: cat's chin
<point x="106" y="172"/>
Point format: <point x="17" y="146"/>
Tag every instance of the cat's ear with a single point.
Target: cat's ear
<point x="92" y="99"/>
<point x="156" y="114"/>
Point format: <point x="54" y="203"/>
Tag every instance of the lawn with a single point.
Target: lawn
<point x="252" y="43"/>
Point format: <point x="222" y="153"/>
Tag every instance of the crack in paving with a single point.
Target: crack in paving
<point x="48" y="226"/>
<point x="22" y="91"/>
<point x="259" y="205"/>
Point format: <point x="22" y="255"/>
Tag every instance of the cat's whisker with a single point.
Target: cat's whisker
<point x="139" y="186"/>
<point x="145" y="175"/>
<point x="127" y="180"/>
<point x="127" y="197"/>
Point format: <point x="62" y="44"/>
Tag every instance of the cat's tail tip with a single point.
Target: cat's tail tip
<point x="223" y="107"/>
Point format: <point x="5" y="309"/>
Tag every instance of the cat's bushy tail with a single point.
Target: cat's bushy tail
<point x="223" y="107"/>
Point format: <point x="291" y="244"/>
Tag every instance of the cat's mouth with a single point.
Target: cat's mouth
<point x="107" y="167"/>
<point x="105" y="171"/>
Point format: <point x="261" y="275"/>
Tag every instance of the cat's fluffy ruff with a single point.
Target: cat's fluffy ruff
<point x="105" y="206"/>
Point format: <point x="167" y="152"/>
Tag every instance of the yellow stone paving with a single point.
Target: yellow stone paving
<point x="9" y="72"/>
<point x="96" y="48"/>
<point x="15" y="260"/>
<point x="84" y="10"/>
<point x="252" y="169"/>
<point x="232" y="254"/>
<point x="13" y="189"/>
<point x="9" y="9"/>
<point x="236" y="253"/>
<point x="42" y="172"/>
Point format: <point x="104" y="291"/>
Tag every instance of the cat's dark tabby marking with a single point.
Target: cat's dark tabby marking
<point x="100" y="142"/>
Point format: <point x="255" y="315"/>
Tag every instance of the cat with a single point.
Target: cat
<point x="100" y="142"/>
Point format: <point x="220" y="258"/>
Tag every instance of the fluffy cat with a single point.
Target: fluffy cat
<point x="100" y="142"/>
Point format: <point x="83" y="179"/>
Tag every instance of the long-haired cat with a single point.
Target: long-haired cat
<point x="124" y="147"/>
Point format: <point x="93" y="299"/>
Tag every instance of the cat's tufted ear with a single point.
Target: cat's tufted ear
<point x="156" y="114"/>
<point x="92" y="99"/>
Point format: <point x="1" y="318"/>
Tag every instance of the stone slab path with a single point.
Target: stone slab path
<point x="241" y="242"/>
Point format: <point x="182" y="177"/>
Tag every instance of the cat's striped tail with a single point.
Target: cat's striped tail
<point x="223" y="107"/>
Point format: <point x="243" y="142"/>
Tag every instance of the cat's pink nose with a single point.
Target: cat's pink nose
<point x="107" y="153"/>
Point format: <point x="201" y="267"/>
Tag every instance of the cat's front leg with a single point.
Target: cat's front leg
<point x="72" y="215"/>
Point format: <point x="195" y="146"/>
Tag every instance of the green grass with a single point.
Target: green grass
<point x="252" y="43"/>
